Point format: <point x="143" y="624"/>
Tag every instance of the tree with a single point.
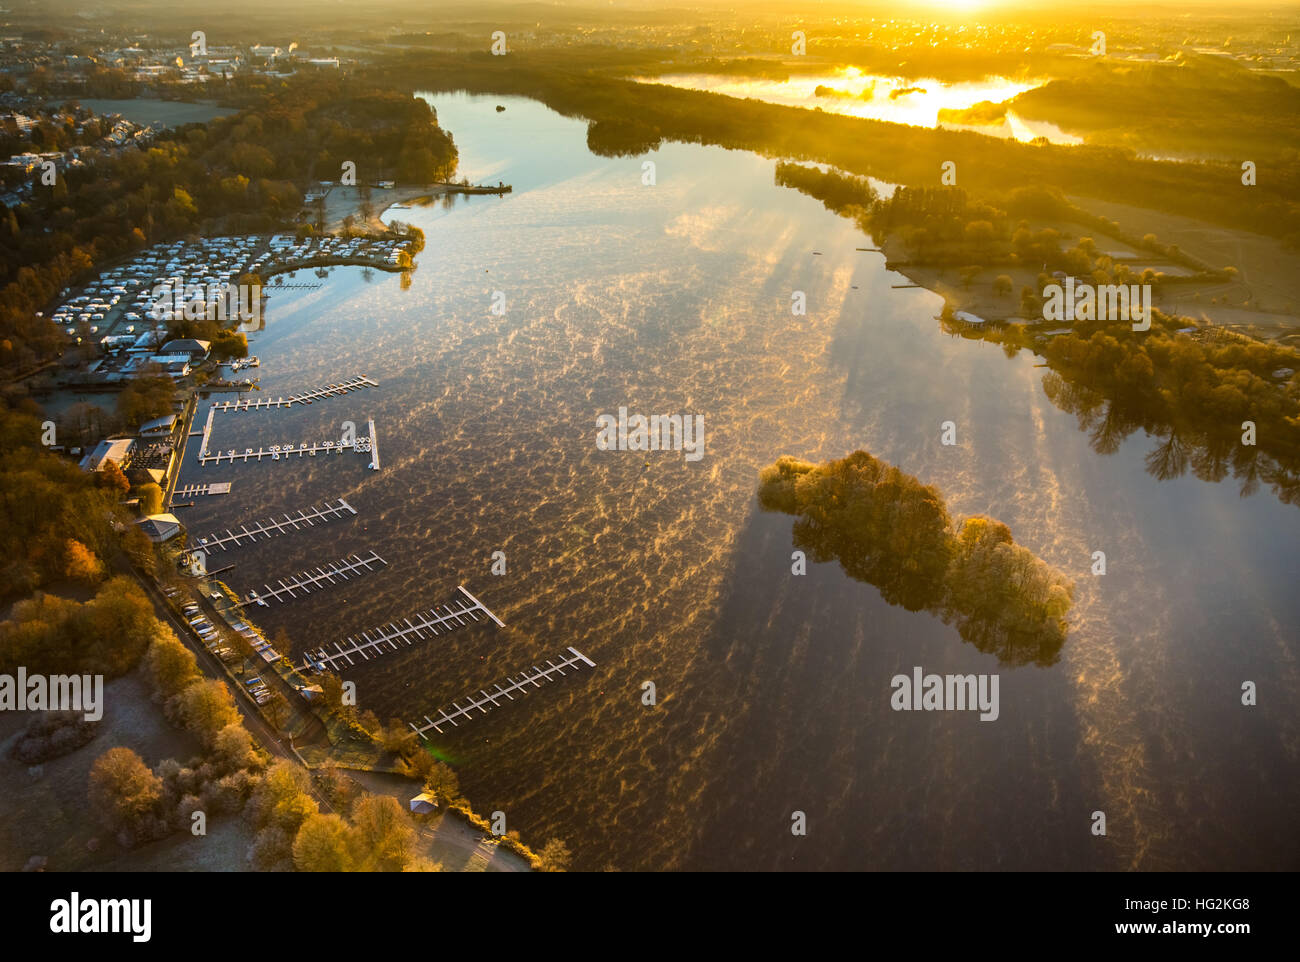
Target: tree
<point x="151" y="498"/>
<point x="399" y="738"/>
<point x="205" y="707"/>
<point x="371" y="723"/>
<point x="421" y="863"/>
<point x="278" y="710"/>
<point x="82" y="565"/>
<point x="382" y="836"/>
<point x="139" y="549"/>
<point x="111" y="476"/>
<point x="980" y="233"/>
<point x="332" y="688"/>
<point x="1031" y="305"/>
<point x="321" y="845"/>
<point x="170" y="665"/>
<point x="442" y="782"/>
<point x="122" y="789"/>
<point x="146" y="398"/>
<point x="281" y="799"/>
<point x="554" y="857"/>
<point x="1002" y="285"/>
<point x="233" y="748"/>
<point x="272" y="850"/>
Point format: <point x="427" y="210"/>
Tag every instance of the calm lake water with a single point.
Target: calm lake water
<point x="881" y="97"/>
<point x="773" y="689"/>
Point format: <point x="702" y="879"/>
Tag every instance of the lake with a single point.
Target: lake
<point x="880" y="97"/>
<point x="772" y="689"/>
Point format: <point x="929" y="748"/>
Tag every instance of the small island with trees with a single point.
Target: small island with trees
<point x="888" y="529"/>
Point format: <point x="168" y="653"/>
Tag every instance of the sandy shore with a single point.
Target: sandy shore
<point x="342" y="202"/>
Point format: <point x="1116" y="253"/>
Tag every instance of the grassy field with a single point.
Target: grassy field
<point x="1265" y="296"/>
<point x="44" y="808"/>
<point x="170" y="112"/>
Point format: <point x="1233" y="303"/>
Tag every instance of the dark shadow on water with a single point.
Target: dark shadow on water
<point x="803" y="664"/>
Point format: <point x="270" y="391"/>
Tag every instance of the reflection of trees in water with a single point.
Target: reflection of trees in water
<point x="1179" y="444"/>
<point x="609" y="138"/>
<point x="886" y="528"/>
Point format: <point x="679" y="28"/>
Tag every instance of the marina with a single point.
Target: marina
<point x="276" y="452"/>
<point x="356" y="383"/>
<point x="534" y="676"/>
<point x="308" y="581"/>
<point x="377" y="641"/>
<point x="264" y="530"/>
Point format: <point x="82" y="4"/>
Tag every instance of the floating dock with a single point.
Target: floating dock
<point x="277" y="452"/>
<point x="374" y="447"/>
<point x="194" y="490"/>
<point x="308" y="581"/>
<point x="329" y="390"/>
<point x="262" y="530"/>
<point x="534" y="676"/>
<point x="377" y="641"/>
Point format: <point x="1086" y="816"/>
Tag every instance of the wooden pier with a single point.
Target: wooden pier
<point x="194" y="490"/>
<point x="374" y="447"/>
<point x="534" y="676"/>
<point x="329" y="390"/>
<point x="377" y="641"/>
<point x="263" y="530"/>
<point x="308" y="581"/>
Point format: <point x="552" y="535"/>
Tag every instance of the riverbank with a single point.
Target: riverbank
<point x="343" y="202"/>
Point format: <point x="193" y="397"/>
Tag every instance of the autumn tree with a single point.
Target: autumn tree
<point x="122" y="789"/>
<point x="382" y="836"/>
<point x="110" y="476"/>
<point x="281" y="799"/>
<point x="140" y="550"/>
<point x="321" y="845"/>
<point x="232" y="748"/>
<point x="151" y="498"/>
<point x="442" y="782"/>
<point x="82" y="565"/>
<point x="204" y="707"/>
<point x="170" y="665"/>
<point x="146" y="398"/>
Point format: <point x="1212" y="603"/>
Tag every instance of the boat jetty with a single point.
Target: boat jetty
<point x="307" y="581"/>
<point x="534" y="676"/>
<point x="377" y="641"/>
<point x="263" y="530"/>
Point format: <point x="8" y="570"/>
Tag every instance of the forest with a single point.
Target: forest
<point x="1203" y="106"/>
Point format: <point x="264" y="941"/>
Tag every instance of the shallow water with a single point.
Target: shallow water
<point x="773" y="689"/>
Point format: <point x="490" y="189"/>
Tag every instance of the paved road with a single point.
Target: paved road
<point x="211" y="666"/>
<point x="449" y="831"/>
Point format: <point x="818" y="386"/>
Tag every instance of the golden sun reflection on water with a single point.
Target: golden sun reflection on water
<point x="881" y="97"/>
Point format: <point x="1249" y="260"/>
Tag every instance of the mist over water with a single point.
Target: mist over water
<point x="880" y="97"/>
<point x="773" y="690"/>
